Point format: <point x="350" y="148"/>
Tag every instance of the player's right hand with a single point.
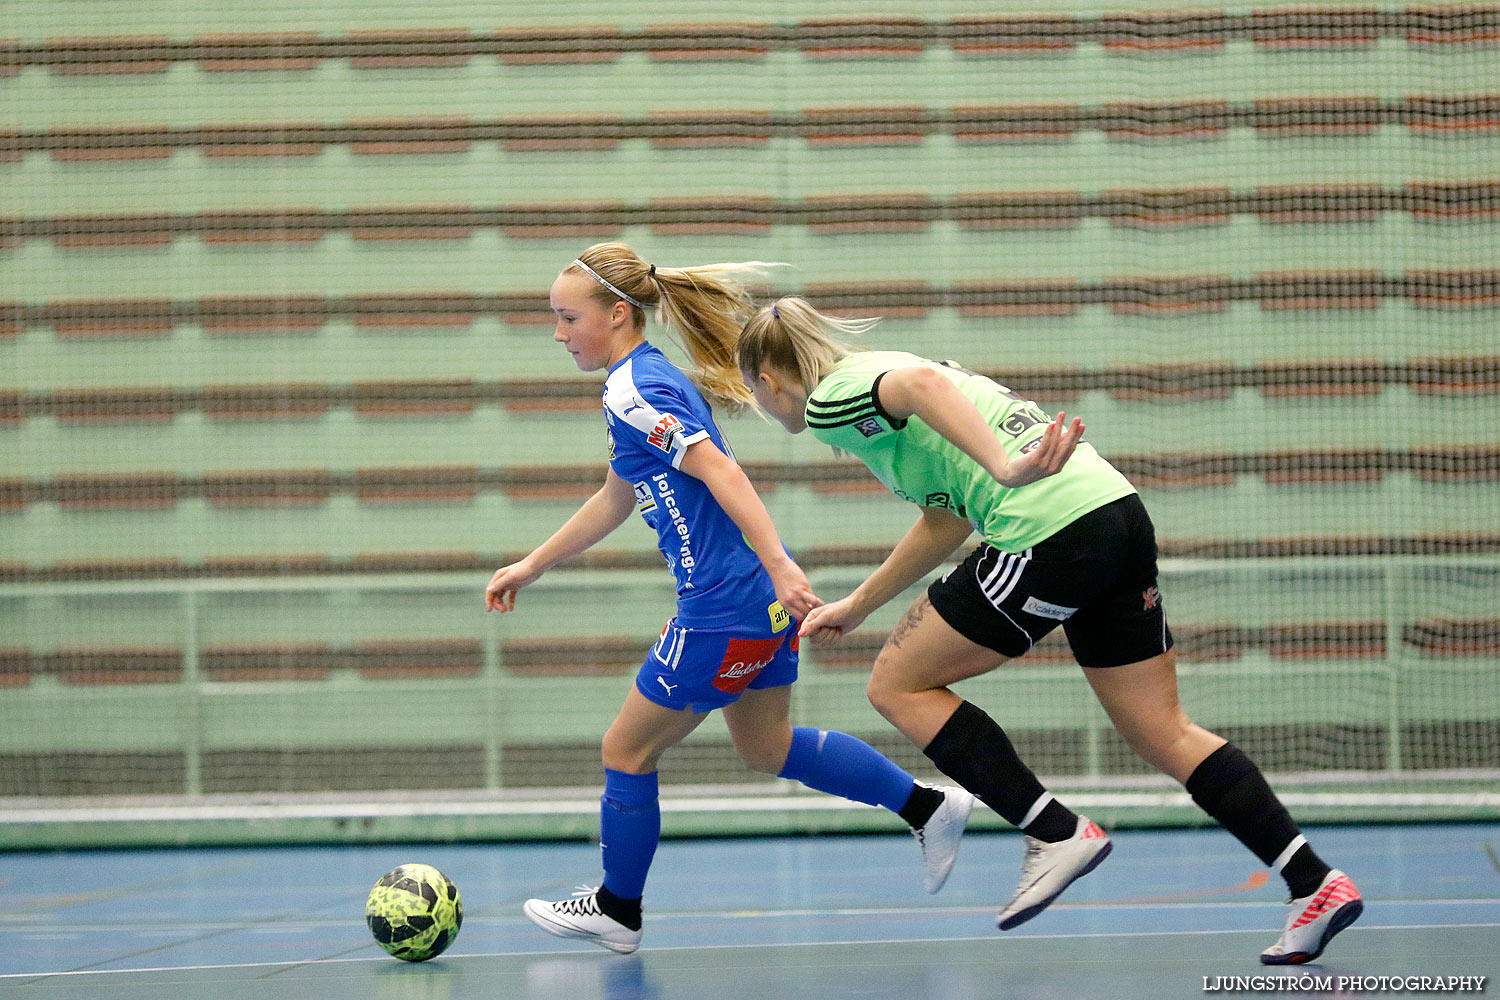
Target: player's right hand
<point x="831" y="622"/>
<point x="1047" y="455"/>
<point x="500" y="595"/>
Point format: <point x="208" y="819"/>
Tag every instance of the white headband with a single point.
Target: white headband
<point x="600" y="278"/>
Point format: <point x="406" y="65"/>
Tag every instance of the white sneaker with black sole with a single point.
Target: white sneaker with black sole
<point x="1314" y="920"/>
<point x="940" y="836"/>
<point x="581" y="918"/>
<point x="1048" y="869"/>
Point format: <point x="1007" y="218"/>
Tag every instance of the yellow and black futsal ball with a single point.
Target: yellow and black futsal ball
<point x="415" y="912"/>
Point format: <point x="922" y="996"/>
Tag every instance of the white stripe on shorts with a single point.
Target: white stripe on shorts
<point x="1001" y="559"/>
<point x="669" y="647"/>
<point x="1007" y="573"/>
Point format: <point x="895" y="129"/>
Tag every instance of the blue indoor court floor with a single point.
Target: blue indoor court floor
<point x="814" y="917"/>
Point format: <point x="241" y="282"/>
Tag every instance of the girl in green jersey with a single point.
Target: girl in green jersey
<point x="1066" y="541"/>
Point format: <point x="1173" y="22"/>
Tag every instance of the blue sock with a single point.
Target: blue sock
<point x="629" y="828"/>
<point x="839" y="764"/>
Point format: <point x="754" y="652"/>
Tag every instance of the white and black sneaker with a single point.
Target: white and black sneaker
<point x="581" y="918"/>
<point x="939" y="837"/>
<point x="1048" y="869"/>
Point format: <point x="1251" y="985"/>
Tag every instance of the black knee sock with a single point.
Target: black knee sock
<point x="1230" y="788"/>
<point x="975" y="752"/>
<point x="625" y="911"/>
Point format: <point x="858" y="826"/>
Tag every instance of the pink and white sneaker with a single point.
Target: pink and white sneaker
<point x="1314" y="920"/>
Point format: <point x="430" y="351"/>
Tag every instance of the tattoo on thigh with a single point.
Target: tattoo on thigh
<point x="909" y="622"/>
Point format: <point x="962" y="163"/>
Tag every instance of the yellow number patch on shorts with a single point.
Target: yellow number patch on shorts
<point x="779" y="616"/>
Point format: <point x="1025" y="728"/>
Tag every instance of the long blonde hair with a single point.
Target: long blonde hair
<point x="790" y="335"/>
<point x="703" y="306"/>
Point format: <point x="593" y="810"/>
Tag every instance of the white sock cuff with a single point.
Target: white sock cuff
<point x="1286" y="855"/>
<point x="1035" y="810"/>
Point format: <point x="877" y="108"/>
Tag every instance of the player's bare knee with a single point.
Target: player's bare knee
<point x="1171" y="746"/>
<point x="763" y="750"/>
<point x="885" y="696"/>
<point x="763" y="757"/>
<point x="619" y="755"/>
<point x="1151" y="742"/>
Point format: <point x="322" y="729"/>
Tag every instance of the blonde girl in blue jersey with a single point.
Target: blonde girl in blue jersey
<point x="1065" y="541"/>
<point x="733" y="642"/>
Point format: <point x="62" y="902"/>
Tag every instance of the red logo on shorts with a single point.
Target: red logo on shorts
<point x="1152" y="598"/>
<point x="743" y="661"/>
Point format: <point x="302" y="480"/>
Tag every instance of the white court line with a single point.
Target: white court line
<point x="719" y="947"/>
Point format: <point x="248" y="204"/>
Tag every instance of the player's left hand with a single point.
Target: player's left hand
<point x="1050" y="453"/>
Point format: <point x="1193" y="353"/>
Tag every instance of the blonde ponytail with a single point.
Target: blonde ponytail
<point x="790" y="335"/>
<point x="704" y="307"/>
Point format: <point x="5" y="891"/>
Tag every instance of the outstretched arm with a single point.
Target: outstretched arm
<point x="600" y="514"/>
<point x="926" y="544"/>
<point x="920" y="391"/>
<point x="736" y="494"/>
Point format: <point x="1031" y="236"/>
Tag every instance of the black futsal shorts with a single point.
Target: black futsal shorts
<point x="1096" y="578"/>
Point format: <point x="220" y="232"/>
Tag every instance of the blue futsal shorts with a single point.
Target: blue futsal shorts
<point x="705" y="669"/>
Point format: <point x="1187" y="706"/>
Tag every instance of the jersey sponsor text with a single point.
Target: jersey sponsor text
<point x="665" y="432"/>
<point x="679" y="523"/>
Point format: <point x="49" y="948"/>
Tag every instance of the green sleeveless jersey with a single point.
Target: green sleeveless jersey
<point x="918" y="464"/>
